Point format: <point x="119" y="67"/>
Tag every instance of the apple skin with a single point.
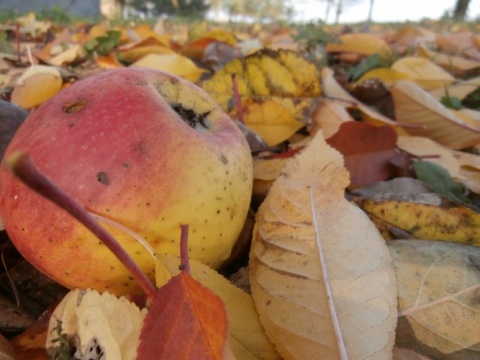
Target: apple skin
<point x="114" y="142"/>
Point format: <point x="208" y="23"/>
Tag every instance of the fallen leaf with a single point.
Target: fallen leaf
<point x="361" y="43"/>
<point x="135" y="51"/>
<point x="425" y="216"/>
<point x="367" y="151"/>
<point x="189" y="320"/>
<point x="424" y="72"/>
<point x="36" y="85"/>
<point x="277" y="91"/>
<point x="386" y="76"/>
<point x="334" y="91"/>
<point x="172" y="63"/>
<point x="328" y="116"/>
<point x="92" y="320"/>
<point x="439" y="179"/>
<point x="246" y="336"/>
<point x="452" y="63"/>
<point x="438" y="285"/>
<point x="320" y="273"/>
<point x="415" y="106"/>
<point x="459" y="43"/>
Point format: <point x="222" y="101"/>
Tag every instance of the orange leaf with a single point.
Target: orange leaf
<point x="185" y="321"/>
<point x="367" y="151"/>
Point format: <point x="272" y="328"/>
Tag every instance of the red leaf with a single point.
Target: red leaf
<point x="185" y="321"/>
<point x="367" y="150"/>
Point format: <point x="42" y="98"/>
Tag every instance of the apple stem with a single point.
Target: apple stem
<point x="184" y="261"/>
<point x="236" y="93"/>
<point x="23" y="167"/>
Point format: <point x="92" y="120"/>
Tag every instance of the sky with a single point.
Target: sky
<point x="383" y="10"/>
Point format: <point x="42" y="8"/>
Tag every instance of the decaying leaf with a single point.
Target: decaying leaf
<point x="185" y="321"/>
<point x="438" y="286"/>
<point x="97" y="323"/>
<point x="427" y="216"/>
<point x="320" y="273"/>
<point x="245" y="334"/>
<point x="277" y="91"/>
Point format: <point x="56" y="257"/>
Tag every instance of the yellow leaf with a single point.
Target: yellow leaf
<point x="68" y="56"/>
<point x="277" y="90"/>
<point x="221" y="35"/>
<point x="362" y="43"/>
<point x="415" y="106"/>
<point x="438" y="286"/>
<point x="320" y="273"/>
<point x="424" y="72"/>
<point x="36" y="85"/>
<point x="386" y="76"/>
<point x="135" y="51"/>
<point x="425" y="216"/>
<point x="98" y="321"/>
<point x="172" y="63"/>
<point x="245" y="334"/>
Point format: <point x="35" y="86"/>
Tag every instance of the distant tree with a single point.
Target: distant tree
<point x="461" y="8"/>
<point x="170" y="7"/>
<point x="258" y="9"/>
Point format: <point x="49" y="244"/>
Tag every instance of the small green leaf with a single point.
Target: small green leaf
<point x="369" y="63"/>
<point x="451" y="102"/>
<point x="439" y="179"/>
<point x="103" y="44"/>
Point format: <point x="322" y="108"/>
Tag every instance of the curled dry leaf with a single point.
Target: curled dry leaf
<point x="459" y="89"/>
<point x="438" y="285"/>
<point x="424" y="72"/>
<point x="415" y="106"/>
<point x="92" y="322"/>
<point x="320" y="273"/>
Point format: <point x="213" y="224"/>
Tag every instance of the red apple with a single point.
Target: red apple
<point x="143" y="148"/>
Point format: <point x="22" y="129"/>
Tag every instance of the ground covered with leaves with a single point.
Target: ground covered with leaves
<point x="365" y="144"/>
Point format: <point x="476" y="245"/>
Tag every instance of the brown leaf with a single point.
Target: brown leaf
<point x="185" y="321"/>
<point x="367" y="151"/>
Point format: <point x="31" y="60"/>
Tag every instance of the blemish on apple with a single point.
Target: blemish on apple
<point x="74" y="106"/>
<point x="102" y="177"/>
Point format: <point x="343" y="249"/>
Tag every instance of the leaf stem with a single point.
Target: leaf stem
<point x="185" y="263"/>
<point x="238" y="100"/>
<point x="23" y="167"/>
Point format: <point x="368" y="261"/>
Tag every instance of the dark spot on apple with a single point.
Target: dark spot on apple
<point x="224" y="159"/>
<point x="190" y="117"/>
<point x="126" y="165"/>
<point x="74" y="106"/>
<point x="102" y="177"/>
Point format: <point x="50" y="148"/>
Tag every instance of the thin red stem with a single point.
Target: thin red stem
<point x="185" y="263"/>
<point x="17" y="35"/>
<point x="24" y="168"/>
